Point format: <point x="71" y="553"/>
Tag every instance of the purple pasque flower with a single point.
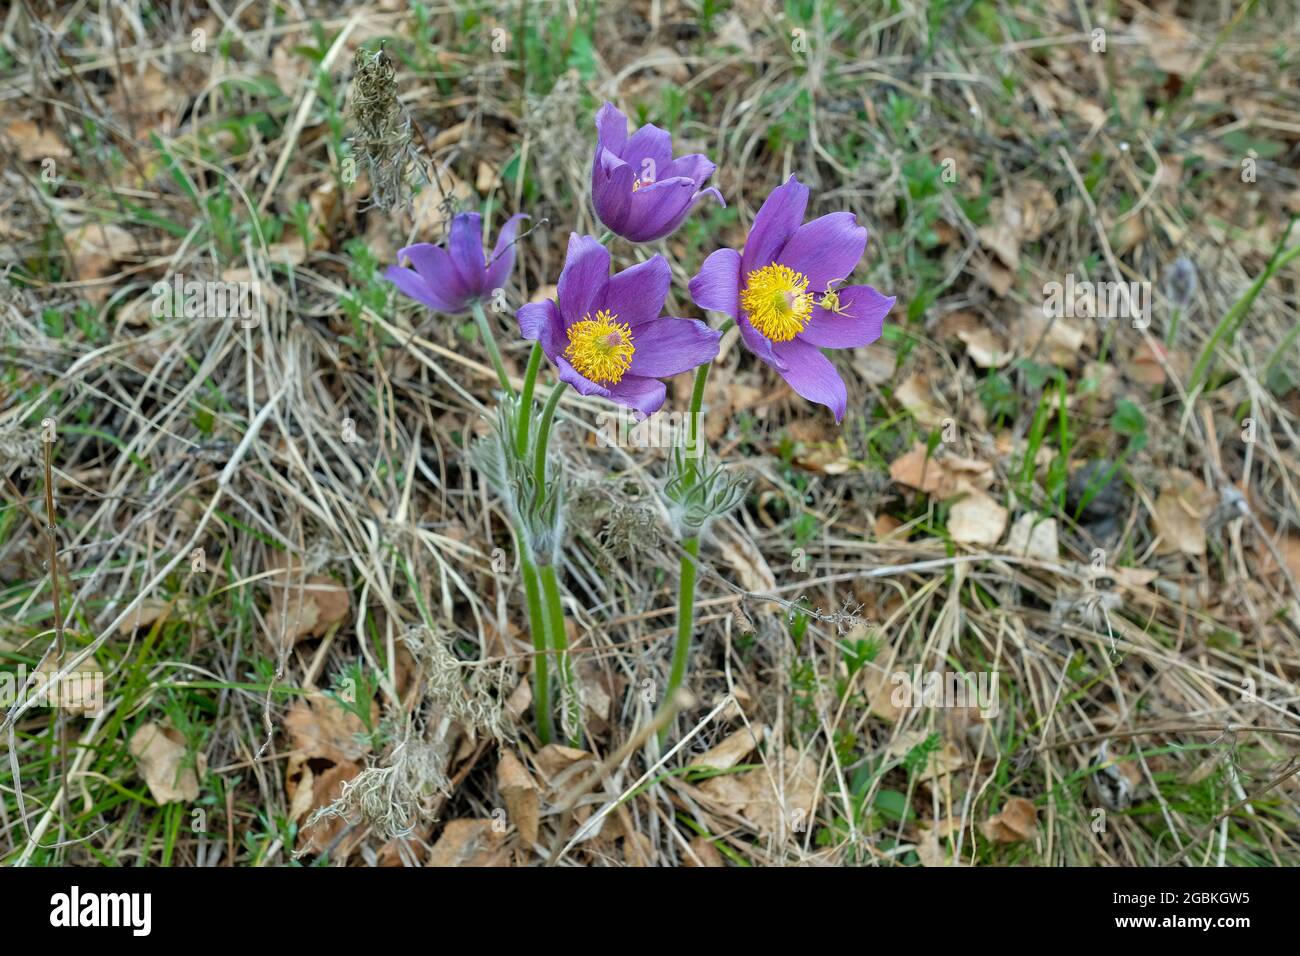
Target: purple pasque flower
<point x="782" y="293"/>
<point x="640" y="192"/>
<point x="449" y="280"/>
<point x="606" y="336"/>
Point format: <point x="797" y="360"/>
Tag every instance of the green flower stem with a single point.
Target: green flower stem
<point x="697" y="402"/>
<point x="559" y="640"/>
<point x="526" y="400"/>
<point x="686" y="590"/>
<point x="607" y="235"/>
<point x="685" y="621"/>
<point x="544" y="435"/>
<point x="541" y="663"/>
<point x="536" y="610"/>
<point x="556" y="638"/>
<point x="490" y="343"/>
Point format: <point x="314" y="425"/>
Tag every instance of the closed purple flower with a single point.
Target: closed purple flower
<point x="449" y="280"/>
<point x="606" y="336"/>
<point x="640" y="192"/>
<point x="784" y="293"/>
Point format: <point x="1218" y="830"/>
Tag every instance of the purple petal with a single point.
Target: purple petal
<point x="541" y="322"/>
<point x="667" y="347"/>
<point x="584" y="385"/>
<point x="657" y="210"/>
<point x="777" y="220"/>
<point x="636" y="295"/>
<point x="503" y="254"/>
<point x="864" y="319"/>
<point x="611" y="129"/>
<point x="645" y="395"/>
<point x="696" y="167"/>
<point x="716" y="286"/>
<point x="583" y="278"/>
<point x="812" y="375"/>
<point x="410" y="284"/>
<point x="669" y="216"/>
<point x="649" y="152"/>
<point x="435" y="267"/>
<point x="465" y="246"/>
<point x="758" y="343"/>
<point x="714" y="192"/>
<point x="611" y="191"/>
<point x="826" y="250"/>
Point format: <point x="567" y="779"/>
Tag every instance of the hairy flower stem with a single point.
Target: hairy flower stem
<point x="544" y="434"/>
<point x="557" y="635"/>
<point x="559" y="639"/>
<point x="537" y="610"/>
<point x="526" y="401"/>
<point x="490" y="343"/>
<point x="686" y="590"/>
<point x="685" y="621"/>
<point x="541" y="663"/>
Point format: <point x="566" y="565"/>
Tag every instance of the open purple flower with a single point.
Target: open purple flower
<point x="449" y="280"/>
<point x="606" y="336"/>
<point x="782" y="293"/>
<point x="640" y="192"/>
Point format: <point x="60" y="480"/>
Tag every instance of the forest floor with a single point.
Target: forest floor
<point x="270" y="548"/>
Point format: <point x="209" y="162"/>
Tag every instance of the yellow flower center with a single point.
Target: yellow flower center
<point x="777" y="301"/>
<point x="600" y="349"/>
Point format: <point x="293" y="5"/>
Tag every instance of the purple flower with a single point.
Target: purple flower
<point x="448" y="280"/>
<point x="640" y="192"/>
<point x="782" y="293"/>
<point x="606" y="336"/>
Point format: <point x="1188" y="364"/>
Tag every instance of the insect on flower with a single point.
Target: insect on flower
<point x="781" y="292"/>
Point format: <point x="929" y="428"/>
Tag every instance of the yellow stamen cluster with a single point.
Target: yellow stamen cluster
<point x="600" y="349"/>
<point x="638" y="183"/>
<point x="777" y="301"/>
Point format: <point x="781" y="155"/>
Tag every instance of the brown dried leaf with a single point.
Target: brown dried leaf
<point x="1180" y="513"/>
<point x="307" y="610"/>
<point x="941" y="476"/>
<point x="751" y="794"/>
<point x="914" y="395"/>
<point x="1033" y="536"/>
<point x="1063" y="340"/>
<point x="523" y="801"/>
<point x="554" y="759"/>
<point x="160" y="754"/>
<point x="977" y="519"/>
<point x="1017" y="822"/>
<point x="705" y="853"/>
<point x="81" y="692"/>
<point x="319" y="727"/>
<point x="35" y="144"/>
<point x="144" y="614"/>
<point x="469" y="843"/>
<point x="97" y="247"/>
<point x="729" y="753"/>
<point x="985" y="349"/>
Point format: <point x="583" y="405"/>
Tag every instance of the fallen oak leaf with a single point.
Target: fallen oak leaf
<point x="977" y="520"/>
<point x="1017" y="822"/>
<point x="523" y="800"/>
<point x="161" y="755"/>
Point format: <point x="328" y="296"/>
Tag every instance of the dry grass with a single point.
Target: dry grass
<point x="319" y="456"/>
